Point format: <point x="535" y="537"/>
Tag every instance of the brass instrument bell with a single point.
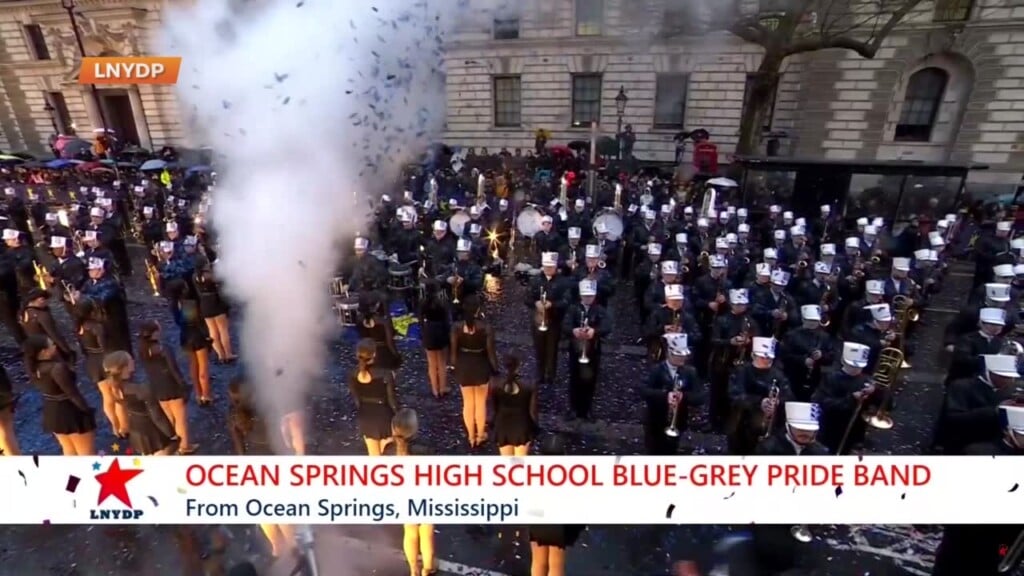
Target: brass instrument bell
<point x="887" y="370"/>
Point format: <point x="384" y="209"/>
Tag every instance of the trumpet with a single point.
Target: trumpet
<point x="887" y="371"/>
<point x="457" y="284"/>
<point x="672" y="431"/>
<point x="153" y="276"/>
<point x="773" y="397"/>
<point x="69" y="292"/>
<point x="902" y="316"/>
<point x="40" y="275"/>
<point x="779" y="323"/>
<point x="704" y="258"/>
<point x="741" y="358"/>
<point x="826" y="298"/>
<point x="572" y="260"/>
<point x="584" y="359"/>
<point x="543" y="327"/>
<point x="601" y="264"/>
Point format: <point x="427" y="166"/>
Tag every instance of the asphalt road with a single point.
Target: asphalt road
<point x="476" y="550"/>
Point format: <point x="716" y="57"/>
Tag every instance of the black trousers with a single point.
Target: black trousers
<point x="583" y="383"/>
<point x="657" y="443"/>
<point x="545" y="349"/>
<point x="9" y="318"/>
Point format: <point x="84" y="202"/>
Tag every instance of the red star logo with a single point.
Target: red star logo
<point x="114" y="482"/>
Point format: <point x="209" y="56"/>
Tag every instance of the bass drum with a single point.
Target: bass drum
<point x="457" y="223"/>
<point x="612" y="222"/>
<point x="528" y="223"/>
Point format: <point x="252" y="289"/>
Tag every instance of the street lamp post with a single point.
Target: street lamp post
<point x="70" y="6"/>
<point x="620" y="108"/>
<point x="53" y="119"/>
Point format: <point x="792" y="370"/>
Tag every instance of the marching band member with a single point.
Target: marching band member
<point x="841" y="395"/>
<point x="1001" y="274"/>
<point x="984" y="341"/>
<point x="671" y="388"/>
<point x="710" y="300"/>
<point x="368" y="272"/>
<point x="67" y="271"/>
<point x="373" y="391"/>
<point x="596" y="271"/>
<point x="547" y="239"/>
<point x="966" y="321"/>
<point x="20" y="256"/>
<point x="756" y="390"/>
<point x="108" y="294"/>
<point x="673" y="317"/>
<point x="465" y="278"/>
<point x="654" y="295"/>
<point x="439" y="249"/>
<point x="776" y="311"/>
<point x="732" y="333"/>
<point x="876" y="334"/>
<point x="572" y="253"/>
<point x="805" y="352"/>
<point x="990" y="250"/>
<point x="547" y="297"/>
<point x="974" y="549"/>
<point x="474" y="361"/>
<point x="586" y="324"/>
<point x="970" y="410"/>
<point x="799" y="437"/>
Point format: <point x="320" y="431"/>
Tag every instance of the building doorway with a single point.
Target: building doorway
<point x="117" y="109"/>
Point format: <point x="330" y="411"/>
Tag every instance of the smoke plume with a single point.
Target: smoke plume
<point x="311" y="106"/>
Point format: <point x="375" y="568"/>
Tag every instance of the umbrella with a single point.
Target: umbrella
<point x="59" y="163"/>
<point x="723" y="182"/>
<point x="73" y="147"/>
<point x="607" y="146"/>
<point x="149" y="165"/>
<point x="103" y="169"/>
<point x="89" y="166"/>
<point x="579" y="145"/>
<point x="9" y="158"/>
<point x="23" y="155"/>
<point x="559" y="150"/>
<point x="198" y="170"/>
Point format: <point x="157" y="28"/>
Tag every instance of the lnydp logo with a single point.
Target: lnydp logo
<point x="114" y="484"/>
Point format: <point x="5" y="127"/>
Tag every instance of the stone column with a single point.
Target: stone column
<point x="139" y="115"/>
<point x="92" y="110"/>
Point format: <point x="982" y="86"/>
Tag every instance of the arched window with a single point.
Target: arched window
<point x="921" y="105"/>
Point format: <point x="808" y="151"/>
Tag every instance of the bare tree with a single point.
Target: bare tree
<point x="786" y="28"/>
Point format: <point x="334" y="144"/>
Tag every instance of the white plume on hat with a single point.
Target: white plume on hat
<point x="803" y="416"/>
<point x="856" y="354"/>
<point x="677" y="344"/>
<point x="763" y="347"/>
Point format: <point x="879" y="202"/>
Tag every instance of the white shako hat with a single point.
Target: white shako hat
<point x="856" y="354"/>
<point x="763" y="347"/>
<point x="440" y="226"/>
<point x="549" y="259"/>
<point x="879" y="312"/>
<point x="803" y="415"/>
<point x="875" y="287"/>
<point x="361" y="243"/>
<point x="677" y="344"/>
<point x="852" y="242"/>
<point x="575" y="233"/>
<point x="997" y="292"/>
<point x="592" y="251"/>
<point x="463" y="245"/>
<point x="827" y="250"/>
<point x="673" y="291"/>
<point x="58" y="242"/>
<point x="670" y="267"/>
<point x="654" y="249"/>
<point x="901" y="264"/>
<point x="1012" y="418"/>
<point x="995" y="316"/>
<point x="739" y="296"/>
<point x="810" y="312"/>
<point x="763" y="269"/>
<point x="780" y="277"/>
<point x="588" y="287"/>
<point x="1001" y="365"/>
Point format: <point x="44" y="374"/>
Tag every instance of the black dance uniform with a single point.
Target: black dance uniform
<point x="193" y="334"/>
<point x="557" y="535"/>
<point x="473" y="355"/>
<point x="382" y="333"/>
<point x="38" y="320"/>
<point x="513" y="415"/>
<point x="61" y="414"/>
<point x="165" y="379"/>
<point x="91" y="340"/>
<point x="211" y="304"/>
<point x="148" y="429"/>
<point x="435" y="325"/>
<point x="375" y="401"/>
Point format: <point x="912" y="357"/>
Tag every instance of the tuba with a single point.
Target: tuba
<point x="672" y="431"/>
<point x="887" y="372"/>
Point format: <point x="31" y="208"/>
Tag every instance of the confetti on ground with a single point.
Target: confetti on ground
<point x="1014" y="488"/>
<point x="23" y="478"/>
<point x="839" y="491"/>
<point x="72" y="484"/>
<point x="153" y="500"/>
<point x="668" y="512"/>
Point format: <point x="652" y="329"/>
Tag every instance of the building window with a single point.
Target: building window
<point x="670" y="100"/>
<point x="506" y="28"/>
<point x="921" y="105"/>
<point x="36" y="42"/>
<point x="770" y="113"/>
<point x="589" y="17"/>
<point x="508" y="102"/>
<point x="952" y="10"/>
<point x="61" y="116"/>
<point x="586" y="99"/>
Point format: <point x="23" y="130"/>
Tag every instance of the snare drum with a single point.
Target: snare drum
<point x="400" y="277"/>
<point x="338" y="287"/>
<point x="348" y="311"/>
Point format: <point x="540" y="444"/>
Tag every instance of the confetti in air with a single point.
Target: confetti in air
<point x="729" y="496"/>
<point x="23" y="477"/>
<point x="181" y="490"/>
<point x="35" y="460"/>
<point x="839" y="491"/>
<point x="903" y="496"/>
<point x="1014" y="488"/>
<point x="669" y="511"/>
<point x="72" y="484"/>
<point x="153" y="500"/>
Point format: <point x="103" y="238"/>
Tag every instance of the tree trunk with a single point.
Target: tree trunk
<point x="763" y="86"/>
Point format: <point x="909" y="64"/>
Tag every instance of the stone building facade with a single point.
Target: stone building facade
<point x="39" y="63"/>
<point x="947" y="85"/>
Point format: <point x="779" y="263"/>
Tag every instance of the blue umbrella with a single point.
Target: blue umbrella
<point x="198" y="170"/>
<point x="153" y="165"/>
<point x="59" y="164"/>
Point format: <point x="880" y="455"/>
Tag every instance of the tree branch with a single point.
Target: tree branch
<point x="865" y="48"/>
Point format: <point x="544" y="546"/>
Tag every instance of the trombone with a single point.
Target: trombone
<point x="887" y="371"/>
<point x="584" y="359"/>
<point x="902" y="316"/>
<point x="153" y="276"/>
